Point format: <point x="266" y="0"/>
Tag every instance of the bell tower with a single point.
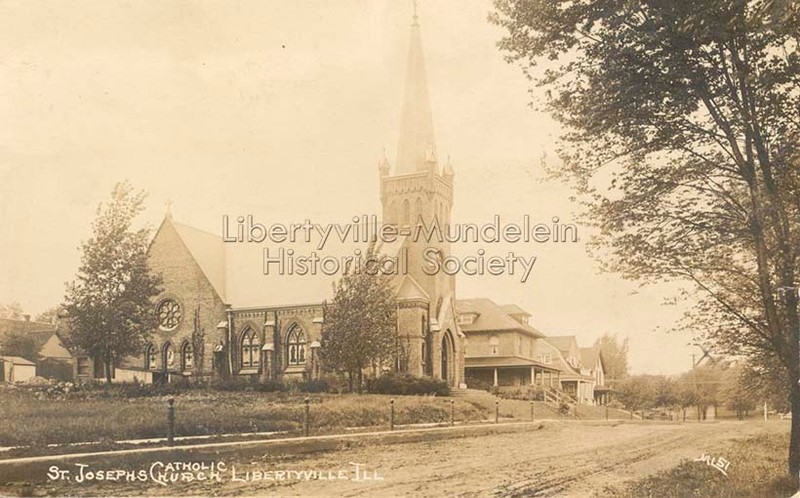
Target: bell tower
<point x="420" y="190"/>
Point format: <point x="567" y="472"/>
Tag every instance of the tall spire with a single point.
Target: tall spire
<point x="416" y="150"/>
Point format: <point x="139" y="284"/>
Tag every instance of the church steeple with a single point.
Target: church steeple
<point x="416" y="149"/>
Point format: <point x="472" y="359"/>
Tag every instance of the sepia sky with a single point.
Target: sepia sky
<point x="281" y="109"/>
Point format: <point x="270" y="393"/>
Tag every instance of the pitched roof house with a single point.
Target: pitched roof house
<point x="501" y="345"/>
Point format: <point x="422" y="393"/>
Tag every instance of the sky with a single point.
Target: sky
<point x="281" y="109"/>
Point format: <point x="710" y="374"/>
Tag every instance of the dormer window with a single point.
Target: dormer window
<point x="466" y="319"/>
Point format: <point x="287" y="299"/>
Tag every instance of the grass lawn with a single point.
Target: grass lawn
<point x="31" y="421"/>
<point x="761" y="474"/>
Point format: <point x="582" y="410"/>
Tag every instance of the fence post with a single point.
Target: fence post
<point x="306" y="417"/>
<point x="391" y="414"/>
<point x="171" y="421"/>
<point x="533" y="413"/>
<point x="496" y="411"/>
<point x="452" y="412"/>
<point x="606" y="412"/>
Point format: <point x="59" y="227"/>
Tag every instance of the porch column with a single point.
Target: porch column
<point x="533" y="375"/>
<point x="495" y="377"/>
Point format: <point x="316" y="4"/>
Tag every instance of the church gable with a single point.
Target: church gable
<point x="186" y="288"/>
<point x="184" y="254"/>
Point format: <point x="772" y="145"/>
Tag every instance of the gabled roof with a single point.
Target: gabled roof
<point x="209" y="252"/>
<point x="513" y="309"/>
<point x="40" y="332"/>
<point x="589" y="357"/>
<point x="409" y="289"/>
<point x="17" y="360"/>
<point x="563" y="343"/>
<point x="8" y="324"/>
<point x="490" y="317"/>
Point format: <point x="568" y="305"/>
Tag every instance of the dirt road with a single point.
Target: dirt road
<point x="560" y="459"/>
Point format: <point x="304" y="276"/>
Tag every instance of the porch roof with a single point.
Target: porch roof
<point x="505" y="362"/>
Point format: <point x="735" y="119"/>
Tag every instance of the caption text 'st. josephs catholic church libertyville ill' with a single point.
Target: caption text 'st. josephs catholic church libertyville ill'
<point x="281" y="342"/>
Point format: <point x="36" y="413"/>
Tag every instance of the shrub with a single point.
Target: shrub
<point x="245" y="385"/>
<point x="478" y="383"/>
<point x="314" y="386"/>
<point x="407" y="384"/>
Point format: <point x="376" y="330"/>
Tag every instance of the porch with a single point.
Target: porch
<point x="501" y="371"/>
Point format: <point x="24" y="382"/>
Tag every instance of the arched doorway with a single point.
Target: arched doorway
<point x="448" y="358"/>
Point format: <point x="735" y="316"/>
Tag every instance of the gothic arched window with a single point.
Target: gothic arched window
<point x="251" y="349"/>
<point x="296" y="346"/>
<point x="169" y="356"/>
<point x="150" y="357"/>
<point x="418" y="209"/>
<point x="406" y="212"/>
<point x="187" y="356"/>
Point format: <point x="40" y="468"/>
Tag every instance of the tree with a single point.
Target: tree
<point x="736" y="394"/>
<point x="12" y="311"/>
<point x="636" y="392"/>
<point x="360" y="323"/>
<point x="686" y="393"/>
<point x="681" y="125"/>
<point x="48" y="315"/>
<point x="666" y="392"/>
<point x="615" y="356"/>
<point x="198" y="344"/>
<point x="17" y="342"/>
<point x="110" y="303"/>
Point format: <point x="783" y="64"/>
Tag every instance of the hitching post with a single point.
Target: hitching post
<point x="305" y="417"/>
<point x="452" y="412"/>
<point x="496" y="411"/>
<point x="606" y="412"/>
<point x="533" y="413"/>
<point x="391" y="414"/>
<point x="171" y="421"/>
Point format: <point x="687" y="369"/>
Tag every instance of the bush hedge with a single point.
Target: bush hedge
<point x="407" y="384"/>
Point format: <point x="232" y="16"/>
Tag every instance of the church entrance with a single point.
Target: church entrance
<point x="448" y="358"/>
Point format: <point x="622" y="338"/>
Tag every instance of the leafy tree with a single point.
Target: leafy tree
<point x="686" y="393"/>
<point x="615" y="355"/>
<point x="12" y="311"/>
<point x="666" y="392"/>
<point x="736" y="394"/>
<point x="17" y="342"/>
<point x="636" y="392"/>
<point x="707" y="381"/>
<point x="48" y="315"/>
<point x="681" y="125"/>
<point x="198" y="344"/>
<point x="360" y="324"/>
<point x="109" y="304"/>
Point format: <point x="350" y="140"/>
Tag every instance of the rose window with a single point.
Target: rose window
<point x="169" y="314"/>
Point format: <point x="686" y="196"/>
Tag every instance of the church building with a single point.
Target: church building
<point x="204" y="330"/>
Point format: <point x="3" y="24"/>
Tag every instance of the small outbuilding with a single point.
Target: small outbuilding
<point x="16" y="369"/>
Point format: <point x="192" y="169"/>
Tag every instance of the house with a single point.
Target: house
<point x="582" y="368"/>
<point x="16" y="369"/>
<point x="504" y="350"/>
<point x="47" y="352"/>
<point x="501" y="346"/>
